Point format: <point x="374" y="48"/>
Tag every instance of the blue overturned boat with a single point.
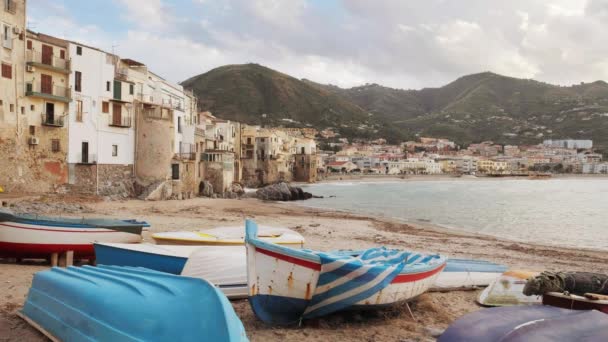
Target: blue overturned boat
<point x="164" y="258"/>
<point x="112" y="303"/>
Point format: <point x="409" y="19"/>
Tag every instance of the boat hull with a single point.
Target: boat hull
<point x="285" y="285"/>
<point x="22" y="240"/>
<point x="170" y="259"/>
<point x="228" y="236"/>
<point x="110" y="303"/>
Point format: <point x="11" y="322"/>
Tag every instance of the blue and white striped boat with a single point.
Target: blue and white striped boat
<point x="287" y="285"/>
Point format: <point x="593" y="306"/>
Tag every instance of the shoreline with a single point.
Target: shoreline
<point x="323" y="230"/>
<point x="441" y="177"/>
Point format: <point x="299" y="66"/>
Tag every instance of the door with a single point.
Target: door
<point x="85" y="152"/>
<point x="116" y="114"/>
<point x="47" y="54"/>
<point x="117" y="90"/>
<point x="50" y="112"/>
<point x="46" y="84"/>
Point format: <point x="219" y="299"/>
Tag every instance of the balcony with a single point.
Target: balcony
<point x="87" y="159"/>
<point x="173" y="104"/>
<point x="186" y="155"/>
<point x="10" y="6"/>
<point x="48" y="91"/>
<point x="121" y="121"/>
<point x="121" y="74"/>
<point x="7" y="42"/>
<point x="52" y="120"/>
<point x="199" y="131"/>
<point x="50" y="62"/>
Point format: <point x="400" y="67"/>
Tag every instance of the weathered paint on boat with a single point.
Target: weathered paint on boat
<point x="228" y="236"/>
<point x="508" y="289"/>
<point x="536" y="323"/>
<point x="170" y="259"/>
<point x="283" y="281"/>
<point x="24" y="236"/>
<point x="110" y="303"/>
<point x="574" y="302"/>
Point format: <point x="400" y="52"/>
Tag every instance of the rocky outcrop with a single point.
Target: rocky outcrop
<point x="282" y="192"/>
<point x="158" y="191"/>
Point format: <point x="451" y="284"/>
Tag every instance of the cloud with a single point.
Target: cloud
<point x="402" y="44"/>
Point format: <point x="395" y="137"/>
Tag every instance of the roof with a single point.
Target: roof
<point x="131" y="62"/>
<point x="336" y="163"/>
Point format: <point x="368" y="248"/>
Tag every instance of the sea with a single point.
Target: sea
<point x="570" y="212"/>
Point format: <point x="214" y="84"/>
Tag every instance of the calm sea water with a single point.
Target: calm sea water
<point x="567" y="212"/>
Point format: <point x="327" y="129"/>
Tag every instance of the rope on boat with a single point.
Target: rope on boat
<point x="577" y="283"/>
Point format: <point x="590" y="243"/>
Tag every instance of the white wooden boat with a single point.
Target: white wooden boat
<point x="462" y="274"/>
<point x="287" y="285"/>
<point x="224" y="267"/>
<point x="34" y="236"/>
<point x="228" y="236"/>
<point x="508" y="290"/>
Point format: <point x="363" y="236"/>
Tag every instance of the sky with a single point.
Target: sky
<point x="397" y="43"/>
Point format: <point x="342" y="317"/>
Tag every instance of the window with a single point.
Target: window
<point x="32" y="130"/>
<point x="131" y="89"/>
<point x="62" y="54"/>
<point x="7" y="71"/>
<point x="105" y="107"/>
<point x="7" y="39"/>
<point x="174" y="171"/>
<point x="12" y="107"/>
<point x="55" y="146"/>
<point x="114" y="150"/>
<point x="78" y="81"/>
<point x="29" y="44"/>
<point x="179" y="124"/>
<point x="79" y="50"/>
<point x="108" y="86"/>
<point x="32" y="108"/>
<point x="22" y="110"/>
<point x="79" y="111"/>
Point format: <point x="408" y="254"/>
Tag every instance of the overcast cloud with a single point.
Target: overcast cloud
<point x="398" y="43"/>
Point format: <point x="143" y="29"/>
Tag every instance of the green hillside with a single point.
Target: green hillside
<point x="473" y="108"/>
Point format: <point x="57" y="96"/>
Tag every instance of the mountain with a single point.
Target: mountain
<point x="473" y="108"/>
<point x="254" y="94"/>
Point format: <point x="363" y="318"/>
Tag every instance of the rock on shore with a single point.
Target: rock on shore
<point x="282" y="192"/>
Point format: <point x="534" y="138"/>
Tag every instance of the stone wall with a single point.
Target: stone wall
<point x="154" y="148"/>
<point x="258" y="173"/>
<point x="33" y="168"/>
<point x="305" y="168"/>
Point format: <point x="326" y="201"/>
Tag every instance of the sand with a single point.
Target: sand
<point x="323" y="230"/>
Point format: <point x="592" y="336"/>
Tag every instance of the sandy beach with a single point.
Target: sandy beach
<point x="323" y="230"/>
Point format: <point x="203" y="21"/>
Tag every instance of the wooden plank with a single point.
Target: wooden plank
<point x="595" y="296"/>
<point x="38" y="327"/>
<point x="69" y="258"/>
<point x="54" y="259"/>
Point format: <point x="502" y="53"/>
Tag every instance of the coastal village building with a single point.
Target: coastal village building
<point x="101" y="123"/>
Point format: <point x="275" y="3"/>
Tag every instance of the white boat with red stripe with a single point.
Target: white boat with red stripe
<point x="287" y="285"/>
<point x="34" y="236"/>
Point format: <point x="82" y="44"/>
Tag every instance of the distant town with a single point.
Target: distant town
<point x="429" y="156"/>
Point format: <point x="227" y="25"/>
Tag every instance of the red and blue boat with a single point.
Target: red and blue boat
<point x="35" y="236"/>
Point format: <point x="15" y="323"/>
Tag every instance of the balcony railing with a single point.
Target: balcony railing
<point x="53" y="120"/>
<point x="186" y="155"/>
<point x="174" y="104"/>
<point x="87" y="159"/>
<point x="199" y="131"/>
<point x="10" y="6"/>
<point x="48" y="91"/>
<point x="124" y="121"/>
<point x="36" y="58"/>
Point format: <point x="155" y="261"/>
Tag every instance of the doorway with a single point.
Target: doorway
<point x="49" y="108"/>
<point x="85" y="152"/>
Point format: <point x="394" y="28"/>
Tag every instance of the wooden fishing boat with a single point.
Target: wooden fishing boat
<point x="508" y="289"/>
<point x="287" y="285"/>
<point x="34" y="236"/>
<point x="569" y="301"/>
<point x="467" y="274"/>
<point x="228" y="236"/>
<point x="165" y="258"/>
<point x="528" y="323"/>
<point x="110" y="303"/>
